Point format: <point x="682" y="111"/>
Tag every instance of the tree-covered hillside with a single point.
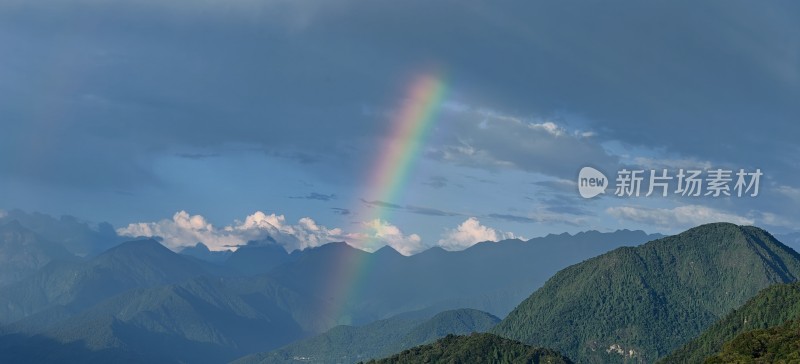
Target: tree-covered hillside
<point x="639" y="304"/>
<point x="780" y="344"/>
<point x="350" y="344"/>
<point x="476" y="348"/>
<point x="771" y="307"/>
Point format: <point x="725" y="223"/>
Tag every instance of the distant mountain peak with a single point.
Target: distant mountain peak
<point x="23" y="251"/>
<point x="15" y="231"/>
<point x="202" y="247"/>
<point x="387" y="250"/>
<point x="140" y="243"/>
<point x="14" y="225"/>
<point x="139" y="247"/>
<point x="332" y="246"/>
<point x="267" y="241"/>
<point x="436" y="249"/>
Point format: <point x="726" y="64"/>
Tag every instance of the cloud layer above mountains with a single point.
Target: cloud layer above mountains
<point x="185" y="230"/>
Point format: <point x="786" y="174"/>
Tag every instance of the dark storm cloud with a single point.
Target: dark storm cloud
<point x="340" y="211"/>
<point x="93" y="103"/>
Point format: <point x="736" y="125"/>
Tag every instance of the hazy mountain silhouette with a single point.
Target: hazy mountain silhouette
<point x="23" y="252"/>
<point x="491" y="276"/>
<point x="201" y="251"/>
<point x="66" y="288"/>
<point x="258" y="257"/>
<point x="141" y="300"/>
<point x="77" y="236"/>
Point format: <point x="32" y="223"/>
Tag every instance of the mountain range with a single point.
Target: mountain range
<point x="141" y="301"/>
<point x="491" y="276"/>
<point x="23" y="252"/>
<point x="639" y="304"/>
<point x="595" y="297"/>
<point x="78" y="237"/>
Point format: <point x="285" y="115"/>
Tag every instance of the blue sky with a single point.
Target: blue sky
<point x="135" y="111"/>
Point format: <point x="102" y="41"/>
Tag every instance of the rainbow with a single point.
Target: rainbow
<point x="388" y="178"/>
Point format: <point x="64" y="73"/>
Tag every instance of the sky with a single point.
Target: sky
<point x="236" y="120"/>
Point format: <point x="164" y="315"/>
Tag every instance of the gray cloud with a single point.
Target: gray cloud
<point x="512" y="218"/>
<point x="316" y="196"/>
<point x="137" y="64"/>
<point x="382" y="204"/>
<point x="429" y="211"/>
<point x="487" y="139"/>
<point x="563" y="203"/>
<point x="411" y="208"/>
<point x="95" y="104"/>
<point x="197" y="155"/>
<point x="543" y="216"/>
<point x="437" y="181"/>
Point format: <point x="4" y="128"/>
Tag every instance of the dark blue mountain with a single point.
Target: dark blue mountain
<point x="257" y="257"/>
<point x="491" y="276"/>
<point x="201" y="251"/>
<point x="22" y="252"/>
<point x="66" y="288"/>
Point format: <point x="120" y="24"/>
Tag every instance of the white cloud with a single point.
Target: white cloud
<point x="489" y="139"/>
<point x="182" y="230"/>
<point x="3" y="213"/>
<point x="469" y="233"/>
<point x="549" y="127"/>
<point x="791" y="192"/>
<point x="769" y="218"/>
<point x="678" y="217"/>
<point x="671" y="163"/>
<point x="378" y="233"/>
<point x="186" y="230"/>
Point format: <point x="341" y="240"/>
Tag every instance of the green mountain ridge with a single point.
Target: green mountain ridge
<point x="476" y="348"/>
<point x="639" y="304"/>
<point x="771" y="307"/>
<point x="779" y="344"/>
